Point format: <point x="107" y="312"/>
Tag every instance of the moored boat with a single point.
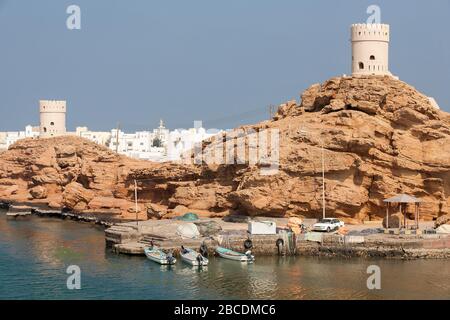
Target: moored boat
<point x="236" y="256"/>
<point x="157" y="255"/>
<point x="192" y="257"/>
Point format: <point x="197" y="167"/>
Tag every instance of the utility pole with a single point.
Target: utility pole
<point x="135" y="202"/>
<point x="323" y="179"/>
<point x="271" y="110"/>
<point x="117" y="137"/>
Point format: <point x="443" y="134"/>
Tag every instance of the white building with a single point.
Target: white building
<point x="183" y="141"/>
<point x="9" y="138"/>
<point x="100" y="137"/>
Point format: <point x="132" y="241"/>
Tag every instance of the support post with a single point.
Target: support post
<point x="323" y="181"/>
<point x="387" y="216"/>
<point x="135" y="202"/>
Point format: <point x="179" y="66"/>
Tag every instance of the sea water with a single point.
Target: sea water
<point x="36" y="252"/>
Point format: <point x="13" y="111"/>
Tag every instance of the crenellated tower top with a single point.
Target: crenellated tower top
<point x="370" y="49"/>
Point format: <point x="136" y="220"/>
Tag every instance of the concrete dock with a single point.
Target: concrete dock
<point x="132" y="238"/>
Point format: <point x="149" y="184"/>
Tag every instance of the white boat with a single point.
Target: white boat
<point x="236" y="256"/>
<point x="159" y="256"/>
<point x="192" y="257"/>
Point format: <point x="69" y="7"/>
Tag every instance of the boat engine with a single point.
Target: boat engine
<point x="200" y="259"/>
<point x="204" y="250"/>
<point x="170" y="258"/>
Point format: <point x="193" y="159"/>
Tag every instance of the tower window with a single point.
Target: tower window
<point x="45" y="129"/>
<point x="52" y="123"/>
<point x="372" y="57"/>
<point x="361" y="65"/>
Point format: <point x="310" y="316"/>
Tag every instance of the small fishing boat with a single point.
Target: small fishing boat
<point x="192" y="257"/>
<point x="159" y="256"/>
<point x="236" y="256"/>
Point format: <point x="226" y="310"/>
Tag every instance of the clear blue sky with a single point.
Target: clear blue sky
<point x="222" y="62"/>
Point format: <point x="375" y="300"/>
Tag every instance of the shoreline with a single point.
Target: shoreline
<point x="130" y="239"/>
<point x="24" y="210"/>
<point x="127" y="238"/>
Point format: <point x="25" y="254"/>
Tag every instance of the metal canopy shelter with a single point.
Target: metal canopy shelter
<point x="404" y="200"/>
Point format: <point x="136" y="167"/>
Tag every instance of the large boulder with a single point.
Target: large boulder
<point x="75" y="194"/>
<point x="38" y="192"/>
<point x="156" y="211"/>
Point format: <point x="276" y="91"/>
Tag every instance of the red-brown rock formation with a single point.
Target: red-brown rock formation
<point x="380" y="137"/>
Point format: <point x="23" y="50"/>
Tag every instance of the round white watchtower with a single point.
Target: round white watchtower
<point x="370" y="49"/>
<point x="53" y="118"/>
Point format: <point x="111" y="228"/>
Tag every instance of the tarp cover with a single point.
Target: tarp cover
<point x="445" y="228"/>
<point x="190" y="216"/>
<point x="188" y="230"/>
<point x="403" y="198"/>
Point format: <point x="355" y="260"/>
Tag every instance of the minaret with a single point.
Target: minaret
<point x="370" y="49"/>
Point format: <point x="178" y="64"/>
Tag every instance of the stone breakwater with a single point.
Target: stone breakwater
<point x="18" y="210"/>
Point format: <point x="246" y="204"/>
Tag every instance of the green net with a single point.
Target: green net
<point x="190" y="216"/>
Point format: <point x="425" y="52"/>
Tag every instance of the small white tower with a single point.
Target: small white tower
<point x="370" y="49"/>
<point x="53" y="118"/>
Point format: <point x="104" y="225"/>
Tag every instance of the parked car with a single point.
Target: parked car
<point x="328" y="224"/>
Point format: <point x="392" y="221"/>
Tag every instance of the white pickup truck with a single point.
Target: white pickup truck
<point x="328" y="224"/>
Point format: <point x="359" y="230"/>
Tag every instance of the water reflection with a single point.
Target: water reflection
<point x="35" y="252"/>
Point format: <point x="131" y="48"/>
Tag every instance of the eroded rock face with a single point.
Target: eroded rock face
<point x="380" y="137"/>
<point x="67" y="172"/>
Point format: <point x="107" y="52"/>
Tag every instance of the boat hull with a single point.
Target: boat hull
<point x="233" y="255"/>
<point x="191" y="258"/>
<point x="158" y="256"/>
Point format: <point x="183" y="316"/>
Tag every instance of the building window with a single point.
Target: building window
<point x="45" y="129"/>
<point x="361" y="65"/>
<point x="372" y="57"/>
<point x="52" y="123"/>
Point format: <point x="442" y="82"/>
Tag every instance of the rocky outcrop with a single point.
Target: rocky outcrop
<point x="379" y="135"/>
<point x="445" y="219"/>
<point x="67" y="172"/>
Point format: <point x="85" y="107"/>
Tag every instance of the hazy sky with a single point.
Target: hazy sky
<point x="222" y="62"/>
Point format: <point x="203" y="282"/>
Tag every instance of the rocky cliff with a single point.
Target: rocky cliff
<point x="380" y="137"/>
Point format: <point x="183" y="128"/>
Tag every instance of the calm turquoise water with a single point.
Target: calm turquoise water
<point x="35" y="252"/>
